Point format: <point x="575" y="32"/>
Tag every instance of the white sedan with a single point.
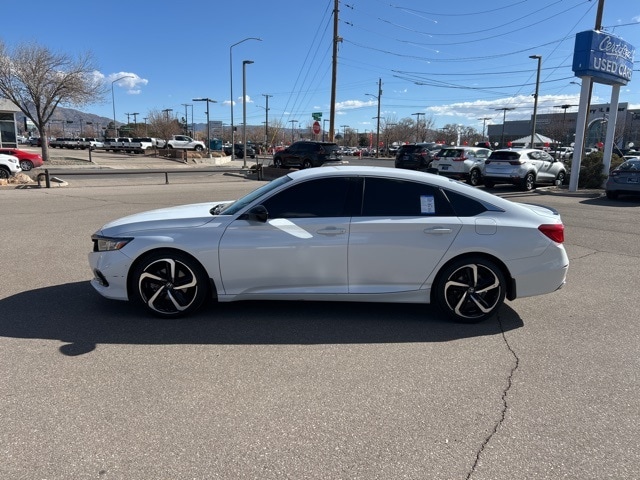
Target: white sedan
<point x="336" y="233"/>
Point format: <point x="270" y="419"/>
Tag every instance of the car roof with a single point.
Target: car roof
<point x="397" y="173"/>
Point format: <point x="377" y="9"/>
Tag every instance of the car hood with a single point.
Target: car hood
<point x="183" y="216"/>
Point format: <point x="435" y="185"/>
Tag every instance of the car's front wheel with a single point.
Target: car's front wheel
<point x="199" y="148"/>
<point x="169" y="284"/>
<point x="4" y="173"/>
<point x="26" y="165"/>
<point x="560" y="178"/>
<point x="277" y="162"/>
<point x="470" y="289"/>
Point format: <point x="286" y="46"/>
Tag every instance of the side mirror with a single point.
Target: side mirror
<point x="256" y="214"/>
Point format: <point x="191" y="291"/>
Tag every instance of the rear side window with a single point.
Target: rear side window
<point x="463" y="205"/>
<point x="385" y="197"/>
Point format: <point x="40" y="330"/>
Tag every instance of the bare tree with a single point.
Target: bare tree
<point x="38" y="80"/>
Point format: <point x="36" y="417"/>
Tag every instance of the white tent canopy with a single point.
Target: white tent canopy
<point x="541" y="140"/>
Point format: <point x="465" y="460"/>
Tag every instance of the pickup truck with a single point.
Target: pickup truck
<point x="186" y="143"/>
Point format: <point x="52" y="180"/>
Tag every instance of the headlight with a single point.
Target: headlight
<point x="106" y="244"/>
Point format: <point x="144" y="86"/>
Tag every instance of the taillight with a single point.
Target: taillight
<point x="460" y="159"/>
<point x="554" y="231"/>
<point x="516" y="162"/>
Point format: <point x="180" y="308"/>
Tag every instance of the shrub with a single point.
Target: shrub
<point x="591" y="175"/>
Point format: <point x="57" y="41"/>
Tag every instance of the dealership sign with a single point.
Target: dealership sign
<point x="604" y="57"/>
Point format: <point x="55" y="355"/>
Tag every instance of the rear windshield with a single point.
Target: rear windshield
<point x="450" y="152"/>
<point x="504" y="156"/>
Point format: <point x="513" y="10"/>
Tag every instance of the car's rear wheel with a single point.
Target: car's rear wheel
<point x="26" y="165"/>
<point x="470" y="289"/>
<point x="169" y="284"/>
<point x="529" y="181"/>
<point x="611" y="194"/>
<point x="474" y="177"/>
<point x="307" y="163"/>
<point x="4" y="173"/>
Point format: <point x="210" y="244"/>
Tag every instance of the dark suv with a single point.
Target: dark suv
<point x="307" y="154"/>
<point x="415" y="156"/>
<point x="238" y="150"/>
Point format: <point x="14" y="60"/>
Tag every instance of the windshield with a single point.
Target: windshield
<point x="239" y="204"/>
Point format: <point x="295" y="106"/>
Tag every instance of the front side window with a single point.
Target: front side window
<point x="386" y="197"/>
<point x="324" y="197"/>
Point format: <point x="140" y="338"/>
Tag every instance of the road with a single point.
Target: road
<point x="93" y="388"/>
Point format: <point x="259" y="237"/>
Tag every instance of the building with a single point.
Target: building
<point x="561" y="127"/>
<point x="8" y="124"/>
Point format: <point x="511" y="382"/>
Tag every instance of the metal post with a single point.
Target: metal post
<point x="535" y="101"/>
<point x="244" y="112"/>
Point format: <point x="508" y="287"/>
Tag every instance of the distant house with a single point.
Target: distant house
<point x="8" y="124"/>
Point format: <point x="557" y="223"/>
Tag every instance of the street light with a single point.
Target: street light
<point x="231" y="83"/>
<point x="208" y="100"/>
<point x="113" y="102"/>
<point x="378" y="117"/>
<point x="292" y="122"/>
<point x="417" y="124"/>
<point x="244" y="112"/>
<point x="535" y="101"/>
<point x="504" y="117"/>
<point x="564" y="107"/>
<point x="266" y="121"/>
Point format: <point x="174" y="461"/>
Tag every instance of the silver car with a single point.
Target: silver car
<point x="625" y="178"/>
<point x="524" y="167"/>
<point x="461" y="163"/>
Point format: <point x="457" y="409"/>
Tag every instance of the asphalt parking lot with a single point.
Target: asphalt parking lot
<point x="96" y="389"/>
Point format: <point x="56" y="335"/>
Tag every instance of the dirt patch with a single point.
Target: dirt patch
<point x="17" y="179"/>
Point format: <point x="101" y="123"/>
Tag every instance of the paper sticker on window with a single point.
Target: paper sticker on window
<point x="427" y="204"/>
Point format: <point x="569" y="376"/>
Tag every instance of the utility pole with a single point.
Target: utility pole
<point x="484" y="124"/>
<point x="266" y="122"/>
<point x="417" y="125"/>
<point x="334" y="72"/>
<point x="504" y="117"/>
<point x="378" y="119"/>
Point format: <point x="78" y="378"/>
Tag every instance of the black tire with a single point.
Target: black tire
<point x="198" y="148"/>
<point x="26" y="165"/>
<point x="277" y="162"/>
<point x="474" y="177"/>
<point x="4" y="173"/>
<point x="470" y="289"/>
<point x="169" y="284"/>
<point x="307" y="164"/>
<point x="170" y="147"/>
<point x="611" y="194"/>
<point x="489" y="184"/>
<point x="560" y="178"/>
<point x="529" y="182"/>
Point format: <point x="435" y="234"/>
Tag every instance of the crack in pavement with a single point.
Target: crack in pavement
<point x="505" y="405"/>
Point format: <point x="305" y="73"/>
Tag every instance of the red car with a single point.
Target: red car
<point x="28" y="160"/>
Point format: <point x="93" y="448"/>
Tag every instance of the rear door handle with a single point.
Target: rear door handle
<point x="332" y="231"/>
<point x="437" y="230"/>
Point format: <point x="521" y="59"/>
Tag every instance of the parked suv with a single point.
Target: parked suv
<point x="415" y="156"/>
<point x="462" y="163"/>
<point x="238" y="150"/>
<point x="9" y="165"/>
<point x="523" y="167"/>
<point x="307" y="154"/>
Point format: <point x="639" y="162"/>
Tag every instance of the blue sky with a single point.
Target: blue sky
<point x="454" y="62"/>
